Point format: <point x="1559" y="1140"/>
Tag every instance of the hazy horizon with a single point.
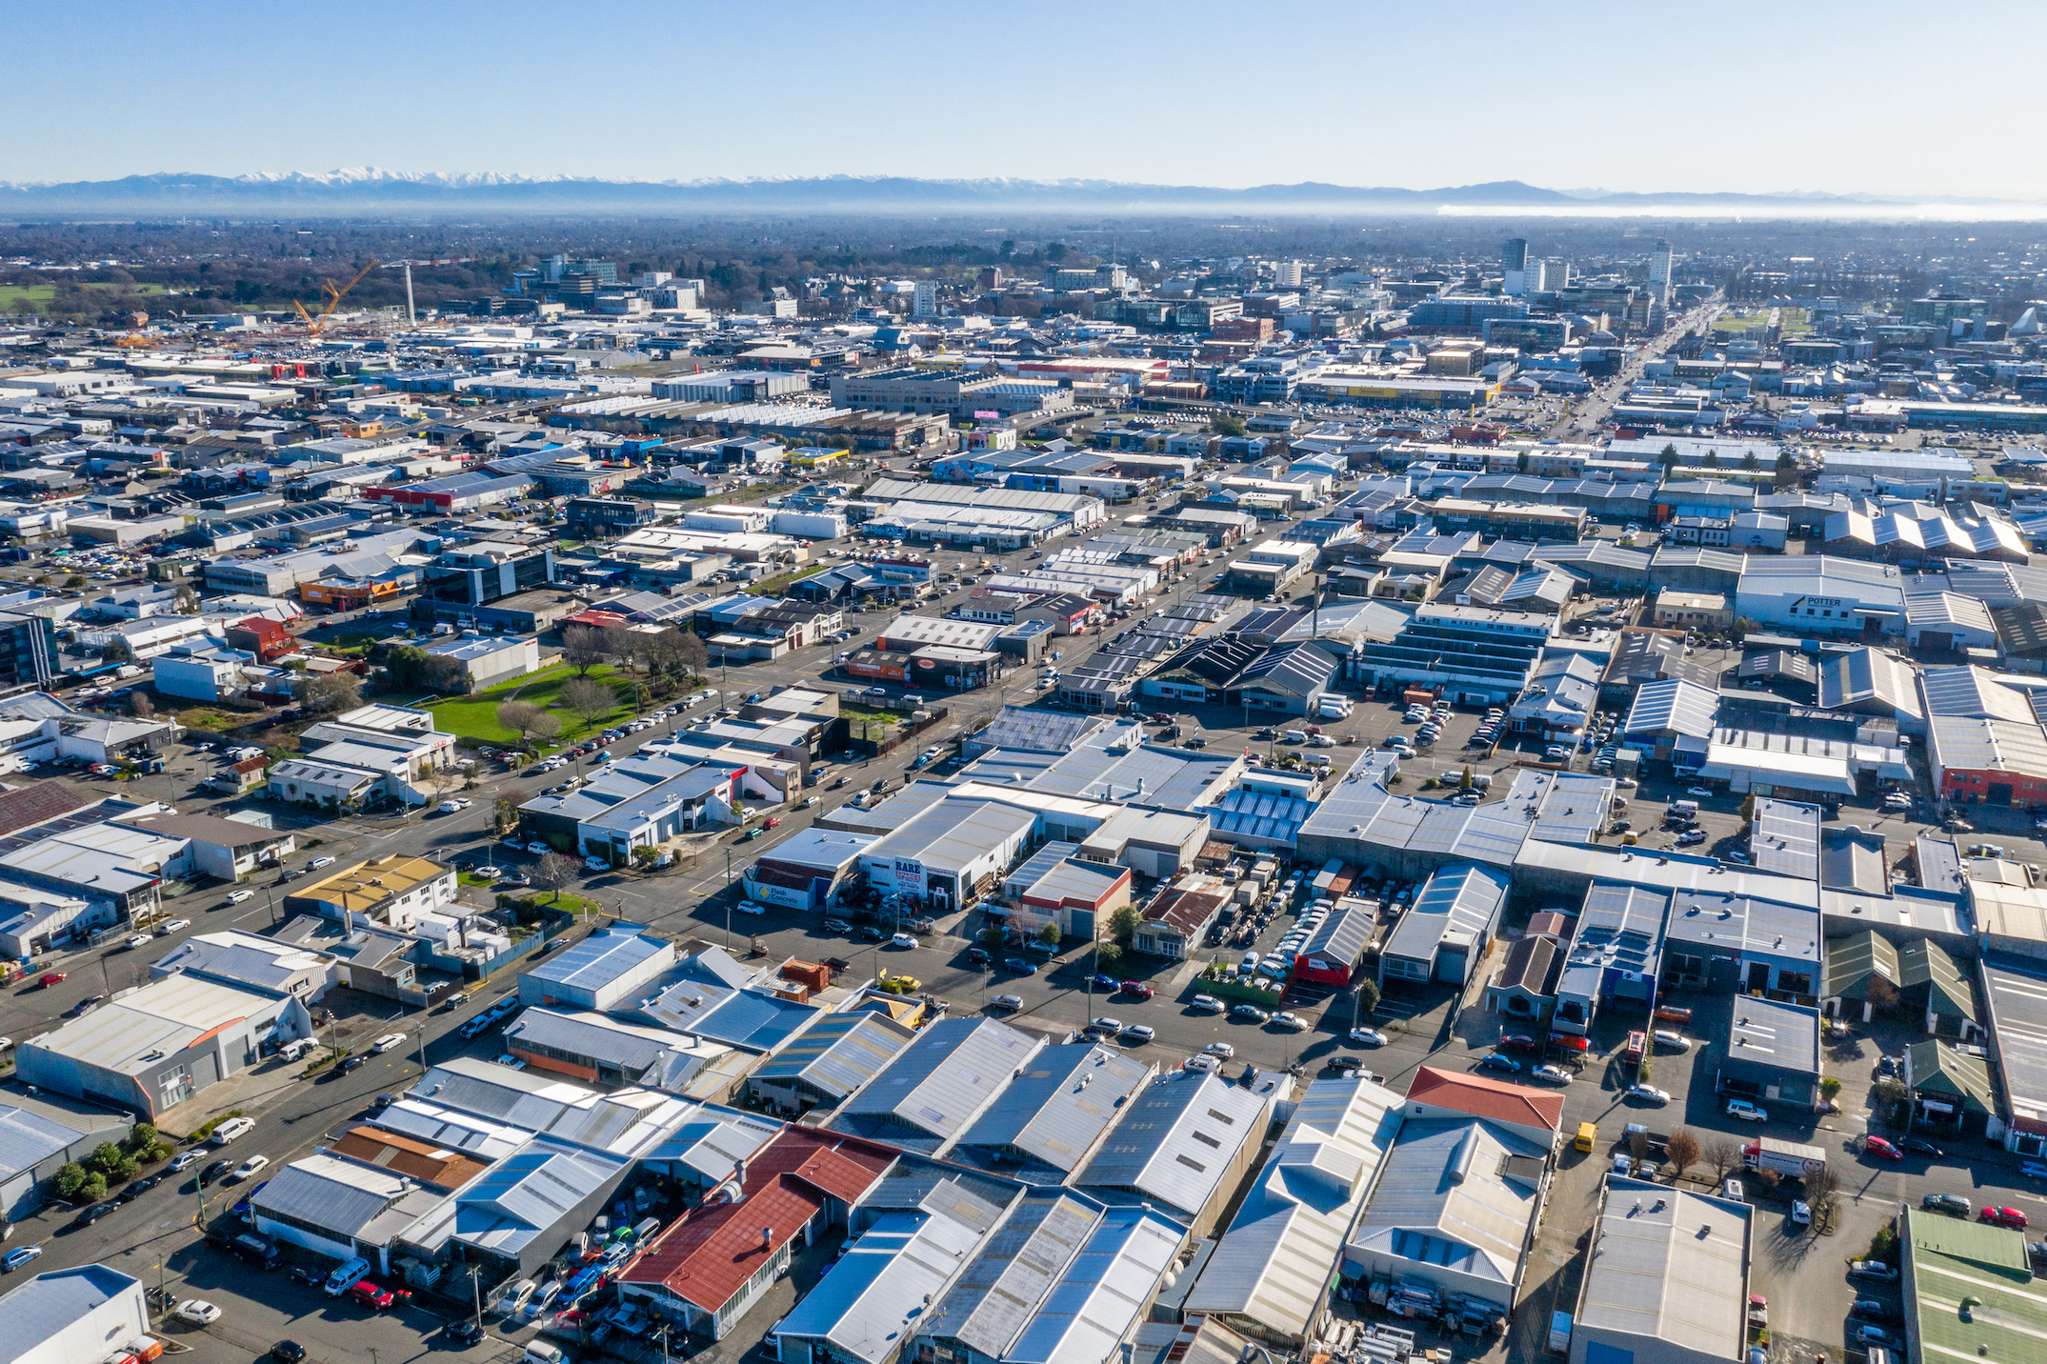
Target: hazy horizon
<point x="1744" y="99"/>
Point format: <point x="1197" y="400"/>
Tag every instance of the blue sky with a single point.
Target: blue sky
<point x="1795" y="94"/>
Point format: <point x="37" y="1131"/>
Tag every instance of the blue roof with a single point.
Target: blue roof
<point x="608" y="953"/>
<point x="47" y="1305"/>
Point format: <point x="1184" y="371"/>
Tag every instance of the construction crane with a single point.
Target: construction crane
<point x="334" y="294"/>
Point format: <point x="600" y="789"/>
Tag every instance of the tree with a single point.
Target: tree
<point x="695" y="657"/>
<point x="111" y="1161"/>
<point x="69" y="1180"/>
<point x="1668" y="457"/>
<point x="332" y="693"/>
<point x="504" y="813"/>
<point x="118" y="651"/>
<point x="583" y="647"/>
<point x="1684" y="1150"/>
<point x="553" y="872"/>
<point x="522" y="718"/>
<point x="141" y="706"/>
<point x="1750" y="462"/>
<point x="1787" y="469"/>
<point x="1227" y="424"/>
<point x="1123" y="925"/>
<point x="1821" y="1186"/>
<point x="1108" y="957"/>
<point x="1723" y="1154"/>
<point x="588" y="700"/>
<point x="622" y="645"/>
<point x="1368" y="998"/>
<point x="644" y="856"/>
<point x="1049" y="935"/>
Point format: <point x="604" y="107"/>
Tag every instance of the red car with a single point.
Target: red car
<point x="774" y="821"/>
<point x="372" y="1294"/>
<point x="1138" y="988"/>
<point x="1518" y="1041"/>
<point x="2005" y="1217"/>
<point x="50" y="978"/>
<point x="1881" y="1149"/>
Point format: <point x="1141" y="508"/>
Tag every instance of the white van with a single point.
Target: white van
<point x="1317" y="760"/>
<point x="346" y="1276"/>
<point x="1293" y="736"/>
<point x="540" y="1352"/>
<point x="515" y="1297"/>
<point x="231" y="1129"/>
<point x="296" y="1048"/>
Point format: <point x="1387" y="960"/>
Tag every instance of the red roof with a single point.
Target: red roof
<point x="1484" y="1097"/>
<point x="710" y="1252"/>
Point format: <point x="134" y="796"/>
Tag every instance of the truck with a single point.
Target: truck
<point x="1788" y="1159"/>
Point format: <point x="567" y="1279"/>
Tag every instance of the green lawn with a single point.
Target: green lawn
<point x="21" y="298"/>
<point x="768" y="587"/>
<point x="476" y="717"/>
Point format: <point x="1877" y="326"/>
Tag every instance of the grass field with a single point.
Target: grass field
<point x="476" y="717"/>
<point x="1789" y="320"/>
<point x="21" y="298"/>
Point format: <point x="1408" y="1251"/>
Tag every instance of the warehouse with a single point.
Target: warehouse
<point x="610" y="967"/>
<point x="1048" y="1120"/>
<point x="339" y="1208"/>
<point x="709" y="1267"/>
<point x="1474" y="655"/>
<point x="1444" y="933"/>
<point x="72" y="1315"/>
<point x="1062" y="1280"/>
<point x="1771" y="1054"/>
<point x="942" y="858"/>
<point x="825" y="1063"/>
<point x="1183" y="1144"/>
<point x="1452" y="1215"/>
<point x="153" y="1047"/>
<point x="1269" y="1274"/>
<point x="1667" y="1280"/>
<point x="933" y="1091"/>
<point x="37" y="1138"/>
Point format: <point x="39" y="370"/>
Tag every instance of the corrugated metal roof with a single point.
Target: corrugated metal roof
<point x="1177" y="1139"/>
<point x="1275" y="1259"/>
<point x="1454" y="1193"/>
<point x="28" y="1139"/>
<point x="871" y="1298"/>
<point x="1668" y="1266"/>
<point x="1056" y="1109"/>
<point x="838" y="1054"/>
<point x="991" y="1302"/>
<point x="1102" y="1295"/>
<point x="932" y="1091"/>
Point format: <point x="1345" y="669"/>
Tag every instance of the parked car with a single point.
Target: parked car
<point x="1500" y="1061"/>
<point x="1649" y="1094"/>
<point x="1518" y="1041"/>
<point x="1206" y="1004"/>
<point x="20" y="1256"/>
<point x="1882" y="1271"/>
<point x="1920" y="1146"/>
<point x="388" y="1042"/>
<point x="1954" y="1205"/>
<point x="1287" y="1021"/>
<point x="1368" y="1037"/>
<point x="1881" y="1148"/>
<point x="197" y="1312"/>
<point x="1248" y="1013"/>
<point x="2004" y="1217"/>
<point x="1746" y="1111"/>
<point x="1552" y="1075"/>
<point x="1009" y="1002"/>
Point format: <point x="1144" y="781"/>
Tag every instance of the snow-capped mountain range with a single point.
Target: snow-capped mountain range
<point x="368" y="189"/>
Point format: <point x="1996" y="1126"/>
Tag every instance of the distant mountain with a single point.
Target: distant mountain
<point x="345" y="193"/>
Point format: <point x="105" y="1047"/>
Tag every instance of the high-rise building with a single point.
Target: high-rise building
<point x="1288" y="274"/>
<point x="924" y="300"/>
<point x="1659" y="273"/>
<point x="28" y="650"/>
<point x="1514" y="266"/>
